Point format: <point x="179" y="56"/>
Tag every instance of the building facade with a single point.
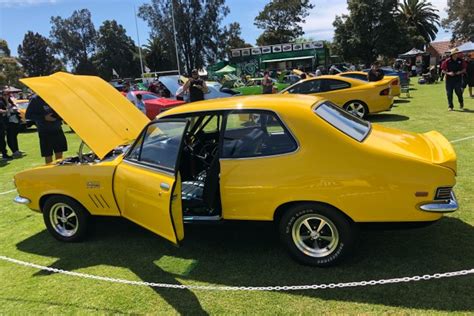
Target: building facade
<point x="307" y="56"/>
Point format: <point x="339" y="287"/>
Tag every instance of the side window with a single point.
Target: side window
<point x="159" y="145"/>
<point x="307" y="87"/>
<point x="256" y="134"/>
<point x="333" y="84"/>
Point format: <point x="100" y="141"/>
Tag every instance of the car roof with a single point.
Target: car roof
<point x="335" y="77"/>
<point x="272" y="102"/>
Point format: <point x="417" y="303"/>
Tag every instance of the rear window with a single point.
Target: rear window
<point x="347" y="123"/>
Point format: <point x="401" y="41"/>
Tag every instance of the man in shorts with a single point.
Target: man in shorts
<point x="50" y="132"/>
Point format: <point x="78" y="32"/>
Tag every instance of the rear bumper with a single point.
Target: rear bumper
<point x="445" y="206"/>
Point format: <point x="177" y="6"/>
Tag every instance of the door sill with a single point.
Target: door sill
<point x="214" y="218"/>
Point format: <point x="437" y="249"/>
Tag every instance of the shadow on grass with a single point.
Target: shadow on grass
<point x="249" y="254"/>
<point x="397" y="101"/>
<point x="387" y="118"/>
<point x="3" y="163"/>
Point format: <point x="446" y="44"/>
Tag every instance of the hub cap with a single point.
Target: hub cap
<point x="315" y="235"/>
<point x="63" y="219"/>
<point x="356" y="108"/>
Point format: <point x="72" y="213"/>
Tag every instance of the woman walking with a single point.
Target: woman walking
<point x="13" y="125"/>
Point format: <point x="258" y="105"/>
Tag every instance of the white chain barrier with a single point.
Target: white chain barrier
<point x="323" y="286"/>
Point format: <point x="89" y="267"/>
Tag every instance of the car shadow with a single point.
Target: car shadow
<point x="398" y="101"/>
<point x="249" y="254"/>
<point x="387" y="117"/>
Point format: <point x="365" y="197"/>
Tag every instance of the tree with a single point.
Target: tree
<point x="115" y="50"/>
<point x="4" y="50"/>
<point x="198" y="29"/>
<point x="36" y="55"/>
<point x="231" y="38"/>
<point x="421" y="19"/>
<point x="75" y="39"/>
<point x="10" y="71"/>
<point x="460" y="19"/>
<point x="157" y="53"/>
<point x="370" y="30"/>
<point x="281" y="21"/>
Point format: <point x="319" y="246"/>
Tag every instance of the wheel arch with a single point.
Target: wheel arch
<point x="45" y="197"/>
<point x="280" y="210"/>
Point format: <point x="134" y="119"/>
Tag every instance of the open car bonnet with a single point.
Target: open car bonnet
<point x="95" y="110"/>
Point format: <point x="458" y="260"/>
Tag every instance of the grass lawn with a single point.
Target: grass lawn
<point x="237" y="254"/>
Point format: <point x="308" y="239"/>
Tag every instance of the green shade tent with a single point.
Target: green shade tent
<point x="227" y="69"/>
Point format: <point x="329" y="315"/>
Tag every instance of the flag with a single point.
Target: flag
<point x="114" y="73"/>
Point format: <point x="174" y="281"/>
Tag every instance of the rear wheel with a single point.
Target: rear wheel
<point x="357" y="108"/>
<point x="65" y="219"/>
<point x="317" y="234"/>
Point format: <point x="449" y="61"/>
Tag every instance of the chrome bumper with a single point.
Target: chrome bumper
<point x="21" y="200"/>
<point x="444" y="206"/>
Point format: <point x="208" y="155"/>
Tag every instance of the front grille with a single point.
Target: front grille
<point x="443" y="193"/>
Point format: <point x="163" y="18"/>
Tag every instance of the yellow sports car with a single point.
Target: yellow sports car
<point x="355" y="96"/>
<point x="299" y="161"/>
<point x="394" y="83"/>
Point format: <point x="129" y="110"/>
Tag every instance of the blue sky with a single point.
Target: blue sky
<point x="19" y="16"/>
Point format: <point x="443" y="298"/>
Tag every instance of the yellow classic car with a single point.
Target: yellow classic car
<point x="394" y="83"/>
<point x="355" y="96"/>
<point x="313" y="169"/>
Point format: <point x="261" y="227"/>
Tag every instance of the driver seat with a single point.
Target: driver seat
<point x="202" y="194"/>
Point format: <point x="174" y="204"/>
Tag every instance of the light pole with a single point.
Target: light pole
<point x="139" y="45"/>
<point x="175" y="41"/>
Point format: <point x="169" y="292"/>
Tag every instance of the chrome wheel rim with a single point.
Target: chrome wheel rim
<point x="64" y="219"/>
<point x="356" y="108"/>
<point x="315" y="235"/>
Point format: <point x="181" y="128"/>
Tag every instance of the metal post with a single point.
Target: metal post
<point x="139" y="45"/>
<point x="175" y="41"/>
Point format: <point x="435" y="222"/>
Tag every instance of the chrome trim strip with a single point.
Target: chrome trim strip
<point x="202" y="218"/>
<point x="156" y="169"/>
<point x="445" y="206"/>
<point x="21" y="200"/>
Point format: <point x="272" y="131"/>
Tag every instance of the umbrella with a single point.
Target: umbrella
<point x="412" y="53"/>
<point x="226" y="69"/>
<point x="466" y="47"/>
<point x="11" y="89"/>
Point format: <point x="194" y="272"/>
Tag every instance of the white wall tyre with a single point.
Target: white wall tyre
<point x="317" y="235"/>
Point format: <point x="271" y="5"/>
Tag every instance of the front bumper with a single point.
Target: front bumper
<point x="445" y="206"/>
<point x="21" y="200"/>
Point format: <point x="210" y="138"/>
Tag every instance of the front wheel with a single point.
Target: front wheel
<point x="357" y="108"/>
<point x="317" y="235"/>
<point x="65" y="219"/>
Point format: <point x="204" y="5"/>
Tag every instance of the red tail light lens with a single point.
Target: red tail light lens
<point x="395" y="82"/>
<point x="385" y="91"/>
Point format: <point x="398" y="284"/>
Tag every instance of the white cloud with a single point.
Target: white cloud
<point x="24" y="3"/>
<point x="319" y="23"/>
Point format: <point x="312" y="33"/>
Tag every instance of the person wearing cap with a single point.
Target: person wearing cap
<point x="375" y="73"/>
<point x="195" y="86"/>
<point x="454" y="68"/>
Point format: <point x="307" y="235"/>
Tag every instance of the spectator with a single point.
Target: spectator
<point x="50" y="132"/>
<point x="195" y="86"/>
<point x="454" y="68"/>
<point x="13" y="125"/>
<point x="3" y="130"/>
<point x="267" y="84"/>
<point x="375" y="73"/>
<point x="470" y="74"/>
<point x="140" y="104"/>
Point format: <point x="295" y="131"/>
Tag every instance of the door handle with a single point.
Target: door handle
<point x="164" y="186"/>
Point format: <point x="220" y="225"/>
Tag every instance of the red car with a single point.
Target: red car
<point x="154" y="104"/>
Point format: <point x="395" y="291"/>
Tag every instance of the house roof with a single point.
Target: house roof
<point x="442" y="47"/>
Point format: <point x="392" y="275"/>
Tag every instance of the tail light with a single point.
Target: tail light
<point x="385" y="91"/>
<point x="395" y="82"/>
<point x="443" y="193"/>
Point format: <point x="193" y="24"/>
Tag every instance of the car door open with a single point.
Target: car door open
<point x="147" y="184"/>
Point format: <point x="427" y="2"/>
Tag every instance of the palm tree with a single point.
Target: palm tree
<point x="421" y="16"/>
